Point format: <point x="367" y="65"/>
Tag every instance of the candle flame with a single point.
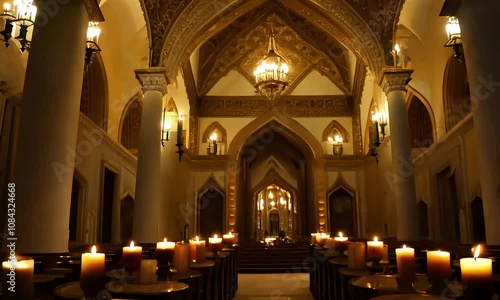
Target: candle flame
<point x="477" y="252"/>
<point x="165" y="240"/>
<point x="375" y="239"/>
<point x="404" y="246"/>
<point x="340" y="234"/>
<point x="215" y="236"/>
<point x="94" y="250"/>
<point x="132" y="244"/>
<point x="197" y="239"/>
<point x="230" y="233"/>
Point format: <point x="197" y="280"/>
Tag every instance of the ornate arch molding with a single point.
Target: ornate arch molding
<point x="333" y="129"/>
<point x="273" y="122"/>
<point x="171" y="107"/>
<point x="215" y="127"/>
<point x="197" y="24"/>
<point x="410" y="95"/>
<point x="273" y="177"/>
<point x="211" y="184"/>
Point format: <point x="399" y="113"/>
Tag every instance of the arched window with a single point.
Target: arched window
<point x="131" y="125"/>
<point x="421" y="123"/>
<point x="94" y="98"/>
<point x="220" y="133"/>
<point x="456" y="93"/>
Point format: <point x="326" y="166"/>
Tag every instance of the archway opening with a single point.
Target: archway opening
<point x="275" y="215"/>
<point x="211" y="207"/>
<point x="342" y="203"/>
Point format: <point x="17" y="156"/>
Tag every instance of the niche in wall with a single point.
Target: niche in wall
<point x="449" y="211"/>
<point x="210" y="208"/>
<point x="421" y="120"/>
<point x="342" y="208"/>
<point x="108" y="192"/>
<point x="130" y="125"/>
<point x="127" y="218"/>
<point x="478" y="226"/>
<point x="423" y="219"/>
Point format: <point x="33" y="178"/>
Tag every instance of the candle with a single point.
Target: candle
<point x="405" y="258"/>
<point x="92" y="276"/>
<point x="215" y="244"/>
<point x="313" y="238"/>
<point x="375" y="249"/>
<point x="356" y="255"/>
<point x="147" y="273"/>
<point x="165" y="251"/>
<point x="228" y="239"/>
<point x="181" y="257"/>
<point x="17" y="279"/>
<point x="321" y="238"/>
<point x="477" y="276"/>
<point x="197" y="249"/>
<point x="132" y="257"/>
<point x="341" y="240"/>
<point x="180" y="140"/>
<point x="438" y="267"/>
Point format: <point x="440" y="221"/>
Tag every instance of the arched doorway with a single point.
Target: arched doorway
<point x="276" y="213"/>
<point x="127" y="218"/>
<point x="478" y="226"/>
<point x="211" y="204"/>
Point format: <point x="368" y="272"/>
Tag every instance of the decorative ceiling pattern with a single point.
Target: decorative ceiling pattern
<point x="244" y="43"/>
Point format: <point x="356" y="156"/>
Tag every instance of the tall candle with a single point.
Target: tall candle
<point x="17" y="279"/>
<point x="405" y="258"/>
<point x="375" y="249"/>
<point x="92" y="275"/>
<point x="180" y="140"/>
<point x="197" y="249"/>
<point x="132" y="257"/>
<point x="438" y="267"/>
<point x="228" y="239"/>
<point x="356" y="255"/>
<point x="214" y="244"/>
<point x="147" y="274"/>
<point x="181" y="257"/>
<point x="477" y="276"/>
<point x="165" y="251"/>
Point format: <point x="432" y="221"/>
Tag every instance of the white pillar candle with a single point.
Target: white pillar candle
<point x="356" y="255"/>
<point x="438" y="267"/>
<point x="92" y="275"/>
<point x="375" y="249"/>
<point x="477" y="275"/>
<point x="228" y="239"/>
<point x="405" y="258"/>
<point x="341" y="240"/>
<point x="214" y="244"/>
<point x="165" y="251"/>
<point x="147" y="273"/>
<point x="197" y="249"/>
<point x="18" y="279"/>
<point x="132" y="257"/>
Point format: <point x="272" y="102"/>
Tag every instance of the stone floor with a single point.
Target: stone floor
<point x="291" y="286"/>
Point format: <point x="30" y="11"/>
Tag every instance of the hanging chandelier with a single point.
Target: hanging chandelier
<point x="17" y="21"/>
<point x="271" y="76"/>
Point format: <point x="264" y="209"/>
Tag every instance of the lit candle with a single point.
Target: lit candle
<point x="313" y="238"/>
<point x="215" y="244"/>
<point x="165" y="251"/>
<point x="132" y="257"/>
<point x="341" y="239"/>
<point x="321" y="238"/>
<point x="228" y="239"/>
<point x="405" y="258"/>
<point x="147" y="274"/>
<point x="92" y="276"/>
<point x="180" y="140"/>
<point x="197" y="249"/>
<point x="17" y="279"/>
<point x="375" y="249"/>
<point x="438" y="267"/>
<point x="356" y="255"/>
<point x="477" y="276"/>
<point x="181" y="257"/>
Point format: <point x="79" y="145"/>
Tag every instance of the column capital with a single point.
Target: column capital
<point x="152" y="79"/>
<point x="394" y="79"/>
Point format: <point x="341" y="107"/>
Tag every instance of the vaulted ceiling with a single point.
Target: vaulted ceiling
<point x="234" y="33"/>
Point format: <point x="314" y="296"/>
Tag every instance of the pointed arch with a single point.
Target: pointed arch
<point x="273" y="177"/>
<point x="342" y="207"/>
<point x="368" y="144"/>
<point x="211" y="206"/>
<point x="456" y="93"/>
<point x="210" y="184"/>
<point x="94" y="96"/>
<point x="421" y="119"/>
<point x="130" y="124"/>
<point x="217" y="128"/>
<point x="335" y="128"/>
<point x="171" y="107"/>
<point x="272" y="122"/>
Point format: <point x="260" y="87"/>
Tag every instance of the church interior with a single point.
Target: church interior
<point x="227" y="138"/>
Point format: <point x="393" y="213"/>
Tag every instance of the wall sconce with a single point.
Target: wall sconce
<point x="337" y="145"/>
<point x="93" y="33"/>
<point x="212" y="144"/>
<point x="165" y="128"/>
<point x="180" y="138"/>
<point x="455" y="38"/>
<point x="23" y="15"/>
<point x="383" y="124"/>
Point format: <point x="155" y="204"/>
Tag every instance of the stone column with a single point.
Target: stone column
<point x="479" y="25"/>
<point x="148" y="183"/>
<point x="50" y="108"/>
<point x="402" y="181"/>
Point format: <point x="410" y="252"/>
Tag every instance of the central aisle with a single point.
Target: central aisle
<point x="287" y="286"/>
